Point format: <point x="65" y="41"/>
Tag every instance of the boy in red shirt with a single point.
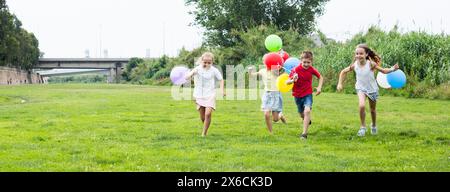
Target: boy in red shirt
<point x="301" y="76"/>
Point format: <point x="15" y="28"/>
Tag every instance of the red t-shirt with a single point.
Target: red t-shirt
<point x="303" y="86"/>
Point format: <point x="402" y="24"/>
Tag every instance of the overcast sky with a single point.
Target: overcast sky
<point x="127" y="28"/>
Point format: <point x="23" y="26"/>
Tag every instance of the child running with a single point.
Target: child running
<point x="272" y="100"/>
<point x="302" y="91"/>
<point x="365" y="63"/>
<point x="205" y="76"/>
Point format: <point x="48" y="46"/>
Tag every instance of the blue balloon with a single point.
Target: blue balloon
<point x="290" y="64"/>
<point x="396" y="79"/>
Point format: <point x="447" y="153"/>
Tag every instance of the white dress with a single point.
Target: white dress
<point x="205" y="86"/>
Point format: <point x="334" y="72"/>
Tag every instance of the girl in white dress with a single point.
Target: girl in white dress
<point x="205" y="77"/>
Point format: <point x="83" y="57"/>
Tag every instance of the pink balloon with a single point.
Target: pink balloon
<point x="177" y="75"/>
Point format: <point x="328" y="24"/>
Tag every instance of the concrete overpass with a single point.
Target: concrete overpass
<point x="114" y="65"/>
<point x="66" y="72"/>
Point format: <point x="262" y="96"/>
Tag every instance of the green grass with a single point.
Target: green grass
<point x="140" y="128"/>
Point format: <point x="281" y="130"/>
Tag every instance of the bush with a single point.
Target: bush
<point x="425" y="58"/>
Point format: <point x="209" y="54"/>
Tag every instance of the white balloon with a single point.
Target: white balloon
<point x="382" y="80"/>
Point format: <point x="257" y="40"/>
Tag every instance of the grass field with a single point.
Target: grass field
<point x="141" y="128"/>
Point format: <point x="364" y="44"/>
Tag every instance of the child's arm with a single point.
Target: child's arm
<point x="251" y="72"/>
<point x="190" y="74"/>
<point x="222" y="87"/>
<point x="385" y="70"/>
<point x="342" y="76"/>
<point x="292" y="79"/>
<point x="319" y="88"/>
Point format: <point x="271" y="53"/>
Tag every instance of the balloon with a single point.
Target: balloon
<point x="281" y="83"/>
<point x="273" y="61"/>
<point x="177" y="75"/>
<point x="273" y="43"/>
<point x="382" y="80"/>
<point x="284" y="55"/>
<point x="290" y="64"/>
<point x="396" y="79"/>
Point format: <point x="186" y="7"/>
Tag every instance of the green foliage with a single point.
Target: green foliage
<point x="251" y="49"/>
<point x="221" y="17"/>
<point x="79" y="79"/>
<point x="18" y="48"/>
<point x="423" y="57"/>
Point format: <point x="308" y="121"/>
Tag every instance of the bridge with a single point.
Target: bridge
<point x="113" y="65"/>
<point x="66" y="72"/>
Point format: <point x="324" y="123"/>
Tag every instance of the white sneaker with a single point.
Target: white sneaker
<point x="373" y="130"/>
<point x="362" y="132"/>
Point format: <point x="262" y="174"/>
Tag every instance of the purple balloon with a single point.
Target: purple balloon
<point x="177" y="75"/>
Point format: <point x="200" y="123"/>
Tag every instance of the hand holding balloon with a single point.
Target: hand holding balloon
<point x="178" y="75"/>
<point x="295" y="77"/>
<point x="395" y="67"/>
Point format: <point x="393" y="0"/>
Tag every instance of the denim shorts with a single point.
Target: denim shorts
<point x="272" y="101"/>
<point x="372" y="96"/>
<point x="303" y="102"/>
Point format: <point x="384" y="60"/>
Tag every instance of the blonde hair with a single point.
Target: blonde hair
<point x="206" y="54"/>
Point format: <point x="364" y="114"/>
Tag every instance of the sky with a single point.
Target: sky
<point x="132" y="28"/>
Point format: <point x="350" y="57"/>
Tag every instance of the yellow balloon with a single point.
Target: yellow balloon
<point x="281" y="83"/>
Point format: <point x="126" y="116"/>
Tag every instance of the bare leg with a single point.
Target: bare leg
<point x="307" y="118"/>
<point x="362" y="108"/>
<point x="208" y="116"/>
<point x="275" y="116"/>
<point x="202" y="114"/>
<point x="302" y="116"/>
<point x="268" y="121"/>
<point x="373" y="112"/>
<point x="280" y="117"/>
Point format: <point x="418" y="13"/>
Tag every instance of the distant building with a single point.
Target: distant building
<point x="105" y="53"/>
<point x="86" y="53"/>
<point x="147" y="53"/>
<point x="316" y="39"/>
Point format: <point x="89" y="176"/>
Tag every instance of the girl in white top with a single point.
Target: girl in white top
<point x="205" y="76"/>
<point x="365" y="64"/>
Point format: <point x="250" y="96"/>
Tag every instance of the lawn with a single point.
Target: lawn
<point x="78" y="127"/>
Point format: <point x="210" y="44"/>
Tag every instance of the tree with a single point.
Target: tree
<point x="134" y="62"/>
<point x="221" y="17"/>
<point x="18" y="48"/>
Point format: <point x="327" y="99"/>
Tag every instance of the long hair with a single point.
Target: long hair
<point x="371" y="54"/>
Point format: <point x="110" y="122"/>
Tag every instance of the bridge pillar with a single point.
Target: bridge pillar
<point x="118" y="70"/>
<point x="112" y="75"/>
<point x="115" y="74"/>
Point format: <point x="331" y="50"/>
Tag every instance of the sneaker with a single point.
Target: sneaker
<point x="282" y="118"/>
<point x="362" y="132"/>
<point x="374" y="130"/>
<point x="303" y="136"/>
